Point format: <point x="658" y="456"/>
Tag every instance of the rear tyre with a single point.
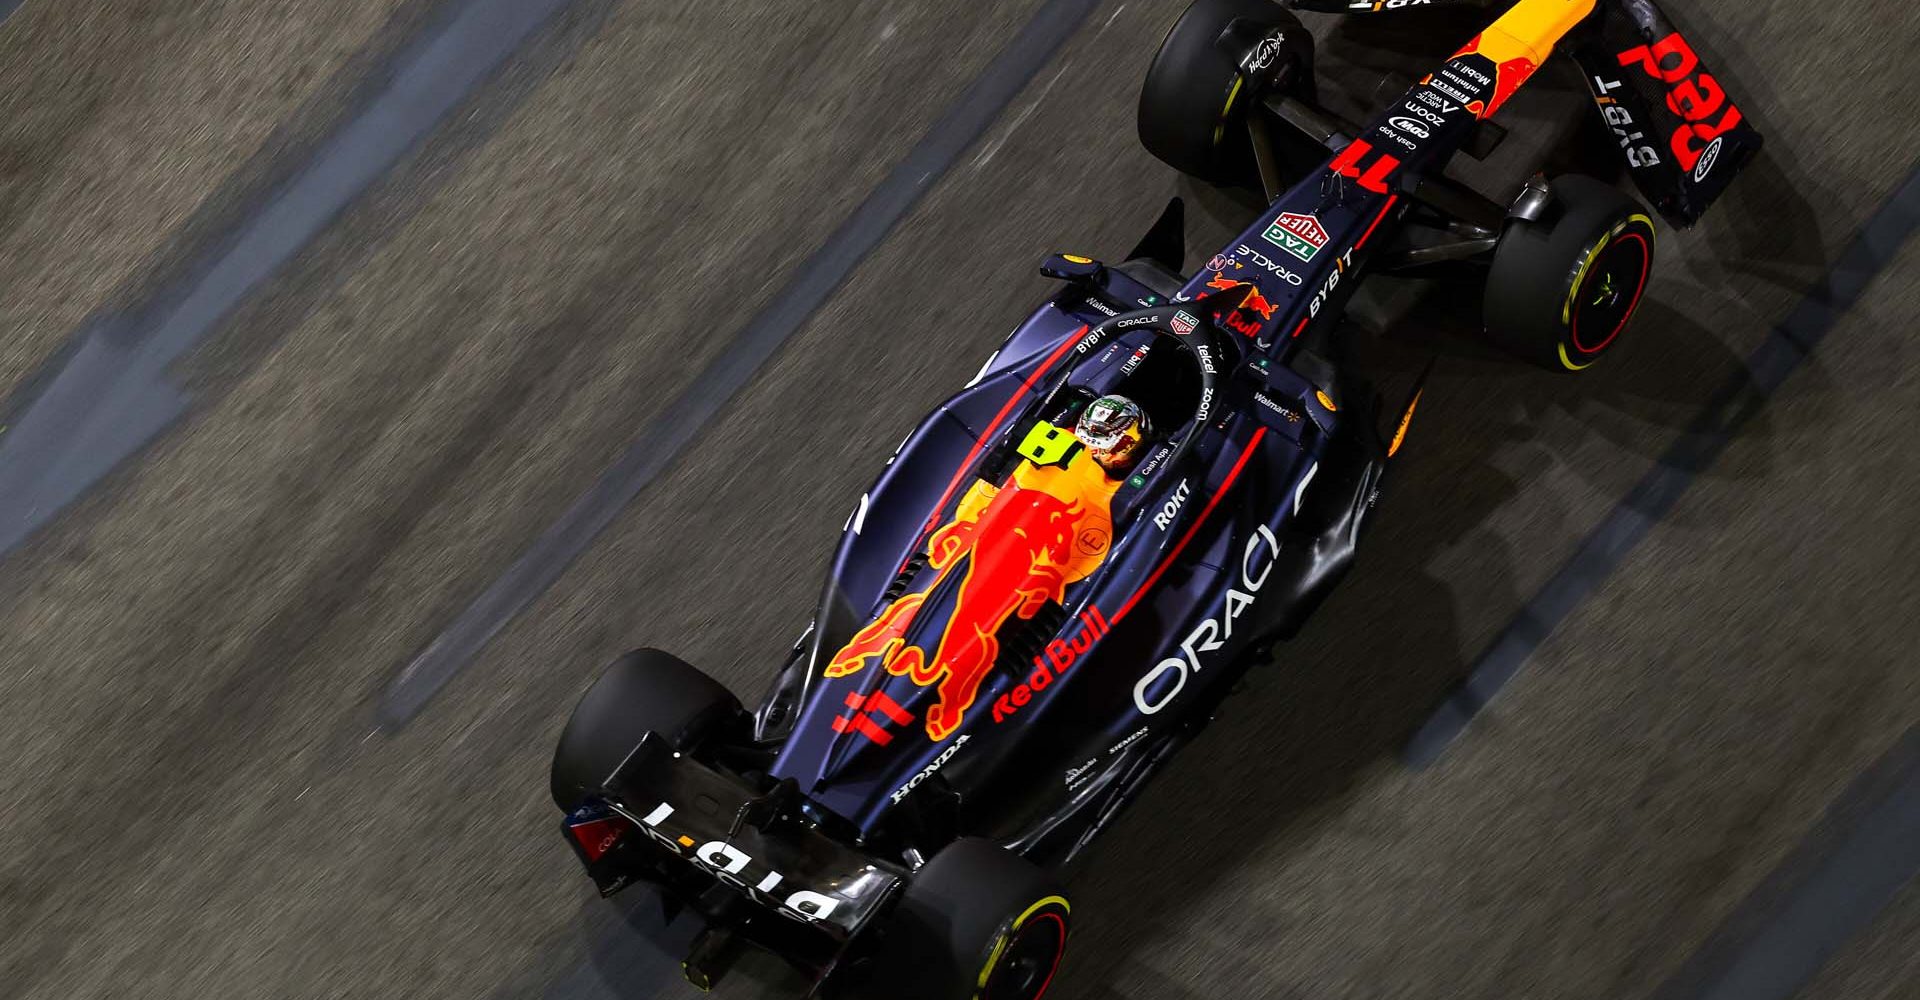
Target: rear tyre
<point x="976" y="921"/>
<point x="1564" y="287"/>
<point x="642" y="691"/>
<point x="1193" y="106"/>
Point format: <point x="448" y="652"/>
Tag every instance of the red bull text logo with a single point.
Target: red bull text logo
<point x="1251" y="313"/>
<point x="1061" y="654"/>
<point x="1019" y="546"/>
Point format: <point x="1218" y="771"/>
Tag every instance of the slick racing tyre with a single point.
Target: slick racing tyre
<point x="643" y="691"/>
<point x="976" y="921"/>
<point x="1193" y="105"/>
<point x="1563" y="287"/>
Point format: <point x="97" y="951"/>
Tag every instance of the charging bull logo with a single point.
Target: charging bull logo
<point x="1019" y="546"/>
<point x="1248" y="316"/>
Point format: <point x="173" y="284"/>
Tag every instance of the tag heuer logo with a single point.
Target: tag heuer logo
<point x="1183" y="323"/>
<point x="1299" y="235"/>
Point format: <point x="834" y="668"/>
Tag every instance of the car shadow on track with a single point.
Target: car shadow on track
<point x="1289" y="752"/>
<point x="618" y="949"/>
<point x="1344" y="696"/>
<point x="1494" y="443"/>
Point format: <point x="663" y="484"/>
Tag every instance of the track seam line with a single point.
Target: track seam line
<point x="108" y="393"/>
<point x="1831" y="885"/>
<point x="536" y="569"/>
<point x="1789" y="344"/>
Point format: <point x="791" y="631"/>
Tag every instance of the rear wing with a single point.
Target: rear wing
<point x="1683" y="138"/>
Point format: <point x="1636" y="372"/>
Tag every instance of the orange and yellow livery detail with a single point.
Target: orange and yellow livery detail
<point x="1520" y="41"/>
<point x="1020" y="545"/>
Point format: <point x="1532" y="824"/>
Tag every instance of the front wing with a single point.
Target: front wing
<point x="1678" y="129"/>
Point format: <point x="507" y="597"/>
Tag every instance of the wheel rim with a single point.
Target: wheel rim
<point x="1609" y="291"/>
<point x="1032" y="956"/>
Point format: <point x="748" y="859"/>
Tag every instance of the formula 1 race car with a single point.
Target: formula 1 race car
<point x="1063" y="571"/>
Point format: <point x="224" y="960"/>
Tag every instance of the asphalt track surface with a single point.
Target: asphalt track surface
<point x="1701" y="779"/>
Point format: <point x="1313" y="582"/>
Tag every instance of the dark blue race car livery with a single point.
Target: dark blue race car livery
<point x="1012" y="638"/>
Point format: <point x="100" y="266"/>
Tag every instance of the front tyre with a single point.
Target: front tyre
<point x="641" y="692"/>
<point x="1193" y="105"/>
<point x="1563" y="287"/>
<point x="976" y="921"/>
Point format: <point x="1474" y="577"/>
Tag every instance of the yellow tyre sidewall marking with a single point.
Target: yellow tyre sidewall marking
<point x="1000" y="945"/>
<point x="1566" y="310"/>
<point x="1580" y="277"/>
<point x="1569" y="362"/>
<point x="1226" y="110"/>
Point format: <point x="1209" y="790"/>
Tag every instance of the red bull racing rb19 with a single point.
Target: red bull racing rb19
<point x="1061" y="573"/>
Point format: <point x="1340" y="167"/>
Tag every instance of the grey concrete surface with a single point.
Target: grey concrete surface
<point x="197" y="803"/>
<point x="1883" y="963"/>
<point x="126" y="117"/>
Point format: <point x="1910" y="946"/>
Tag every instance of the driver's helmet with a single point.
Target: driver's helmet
<point x="1113" y="428"/>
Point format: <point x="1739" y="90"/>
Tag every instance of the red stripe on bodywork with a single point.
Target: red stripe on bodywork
<point x="864" y="726"/>
<point x="879" y="702"/>
<point x="1376" y="221"/>
<point x="1226" y="484"/>
<point x="933" y="519"/>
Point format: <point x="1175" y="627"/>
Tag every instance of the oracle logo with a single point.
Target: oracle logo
<point x="1211" y="633"/>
